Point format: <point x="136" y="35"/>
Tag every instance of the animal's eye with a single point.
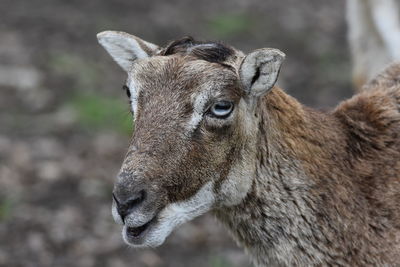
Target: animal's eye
<point x="126" y="89"/>
<point x="221" y="109"/>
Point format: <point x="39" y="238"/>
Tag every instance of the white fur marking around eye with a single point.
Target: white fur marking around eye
<point x="199" y="103"/>
<point x="133" y="89"/>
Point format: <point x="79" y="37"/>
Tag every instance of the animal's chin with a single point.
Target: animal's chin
<point x="149" y="234"/>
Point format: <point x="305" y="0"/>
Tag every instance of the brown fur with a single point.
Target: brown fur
<point x="155" y="138"/>
<point x="295" y="186"/>
<point x="346" y="209"/>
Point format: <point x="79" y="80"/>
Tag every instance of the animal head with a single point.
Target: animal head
<point x="193" y="148"/>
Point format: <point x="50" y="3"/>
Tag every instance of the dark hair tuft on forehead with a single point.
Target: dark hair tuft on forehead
<point x="209" y="51"/>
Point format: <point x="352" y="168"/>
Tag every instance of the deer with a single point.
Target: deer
<point x="293" y="185"/>
<point x="374" y="37"/>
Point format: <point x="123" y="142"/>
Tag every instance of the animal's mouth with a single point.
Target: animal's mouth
<point x="135" y="235"/>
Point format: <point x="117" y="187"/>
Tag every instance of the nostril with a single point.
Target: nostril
<point x="132" y="202"/>
<point x="115" y="199"/>
<point x="125" y="207"/>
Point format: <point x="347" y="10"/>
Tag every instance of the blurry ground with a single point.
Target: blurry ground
<point x="65" y="124"/>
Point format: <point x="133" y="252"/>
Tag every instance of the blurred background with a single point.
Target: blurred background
<point x="65" y="122"/>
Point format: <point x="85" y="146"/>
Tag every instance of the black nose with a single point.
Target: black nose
<point x="125" y="206"/>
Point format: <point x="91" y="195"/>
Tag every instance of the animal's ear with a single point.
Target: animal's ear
<point x="125" y="48"/>
<point x="260" y="69"/>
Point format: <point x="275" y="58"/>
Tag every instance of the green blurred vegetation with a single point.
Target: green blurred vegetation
<point x="228" y="25"/>
<point x="96" y="111"/>
<point x="218" y="261"/>
<point x="5" y="208"/>
<point x="331" y="65"/>
<point x="85" y="73"/>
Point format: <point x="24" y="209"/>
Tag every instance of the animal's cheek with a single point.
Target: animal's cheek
<point x="218" y="131"/>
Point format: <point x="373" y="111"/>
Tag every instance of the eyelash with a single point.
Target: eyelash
<point x="128" y="93"/>
<point x="126" y="88"/>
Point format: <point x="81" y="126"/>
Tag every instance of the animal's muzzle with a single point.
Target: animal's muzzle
<point x="126" y="206"/>
<point x="129" y="194"/>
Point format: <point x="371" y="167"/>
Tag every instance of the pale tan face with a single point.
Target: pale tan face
<point x="179" y="145"/>
<point x="192" y="148"/>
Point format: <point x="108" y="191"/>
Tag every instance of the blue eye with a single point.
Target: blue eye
<point x="221" y="109"/>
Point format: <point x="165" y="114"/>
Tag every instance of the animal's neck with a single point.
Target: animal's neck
<point x="279" y="221"/>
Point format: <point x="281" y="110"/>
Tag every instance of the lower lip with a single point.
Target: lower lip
<point x="135" y="234"/>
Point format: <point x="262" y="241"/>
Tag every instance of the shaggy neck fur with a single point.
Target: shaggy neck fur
<point x="308" y="203"/>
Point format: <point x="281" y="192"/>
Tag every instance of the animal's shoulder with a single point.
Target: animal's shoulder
<point x="389" y="77"/>
<point x="371" y="121"/>
<point x="377" y="108"/>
